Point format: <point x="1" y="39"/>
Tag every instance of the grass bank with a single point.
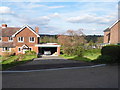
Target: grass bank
<point x="12" y="61"/>
<point x="89" y="55"/>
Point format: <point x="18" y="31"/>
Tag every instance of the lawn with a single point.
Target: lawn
<point x="92" y="54"/>
<point x="10" y="62"/>
<point x="89" y="55"/>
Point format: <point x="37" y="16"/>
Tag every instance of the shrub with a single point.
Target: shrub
<point x="111" y="50"/>
<point x="110" y="54"/>
<point x="105" y="59"/>
<point x="75" y="50"/>
<point x="78" y="51"/>
<point x="20" y="57"/>
<point x="30" y="52"/>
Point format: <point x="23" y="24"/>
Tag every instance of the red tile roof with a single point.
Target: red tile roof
<point x="9" y="31"/>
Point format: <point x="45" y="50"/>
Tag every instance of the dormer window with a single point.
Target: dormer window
<point x="10" y="39"/>
<point x="0" y="39"/>
<point x="31" y="39"/>
<point x="20" y="39"/>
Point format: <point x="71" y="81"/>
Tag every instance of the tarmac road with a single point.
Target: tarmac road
<point x="97" y="77"/>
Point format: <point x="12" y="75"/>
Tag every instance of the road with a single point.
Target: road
<point x="97" y="77"/>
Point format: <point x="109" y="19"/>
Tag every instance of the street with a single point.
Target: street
<point x="96" y="77"/>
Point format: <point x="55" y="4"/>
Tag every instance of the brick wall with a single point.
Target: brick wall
<point x="26" y="33"/>
<point x="114" y="34"/>
<point x="5" y="39"/>
<point x="106" y="36"/>
<point x="119" y="32"/>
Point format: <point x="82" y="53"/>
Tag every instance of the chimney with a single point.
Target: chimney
<point x="37" y="30"/>
<point x="4" y="25"/>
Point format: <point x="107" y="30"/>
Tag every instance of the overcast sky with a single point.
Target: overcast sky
<point x="58" y="17"/>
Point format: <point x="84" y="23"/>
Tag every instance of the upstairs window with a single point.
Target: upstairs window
<point x="0" y="39"/>
<point x="20" y="39"/>
<point x="31" y="39"/>
<point x="10" y="39"/>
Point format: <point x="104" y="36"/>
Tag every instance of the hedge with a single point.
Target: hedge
<point x="110" y="54"/>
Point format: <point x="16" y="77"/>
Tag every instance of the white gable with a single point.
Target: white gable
<point x="25" y="26"/>
<point x="114" y="23"/>
<point x="25" y="46"/>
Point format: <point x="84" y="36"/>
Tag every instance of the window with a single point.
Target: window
<point x="20" y="39"/>
<point x="0" y="39"/>
<point x="31" y="39"/>
<point x="10" y="39"/>
<point x="6" y="49"/>
<point x="19" y="49"/>
<point x="30" y="49"/>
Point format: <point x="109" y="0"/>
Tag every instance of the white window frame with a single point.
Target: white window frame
<point x="3" y="49"/>
<point x="20" y="41"/>
<point x="10" y="40"/>
<point x="20" y="49"/>
<point x="1" y="39"/>
<point x="31" y="38"/>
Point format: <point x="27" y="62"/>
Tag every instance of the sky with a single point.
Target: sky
<point x="58" y="17"/>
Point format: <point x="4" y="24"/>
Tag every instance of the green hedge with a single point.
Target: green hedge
<point x="110" y="54"/>
<point x="111" y="50"/>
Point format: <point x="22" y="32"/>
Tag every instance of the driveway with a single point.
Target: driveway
<point x="47" y="62"/>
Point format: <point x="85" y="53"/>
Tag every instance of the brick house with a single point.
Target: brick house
<point x="20" y="40"/>
<point x="112" y="34"/>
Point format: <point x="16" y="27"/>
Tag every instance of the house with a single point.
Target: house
<point x="22" y="39"/>
<point x="112" y="34"/>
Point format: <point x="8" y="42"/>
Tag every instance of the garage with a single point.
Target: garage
<point x="49" y="49"/>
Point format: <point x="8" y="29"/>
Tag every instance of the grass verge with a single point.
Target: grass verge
<point x="89" y="55"/>
<point x="8" y="63"/>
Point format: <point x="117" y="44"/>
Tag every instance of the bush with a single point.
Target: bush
<point x="105" y="59"/>
<point x="78" y="51"/>
<point x="30" y="52"/>
<point x="110" y="54"/>
<point x="20" y="57"/>
<point x="75" y="50"/>
<point x="111" y="50"/>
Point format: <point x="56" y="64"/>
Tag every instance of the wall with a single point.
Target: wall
<point x="114" y="34"/>
<point x="106" y="37"/>
<point x="5" y="39"/>
<point x="119" y="32"/>
<point x="26" y="33"/>
<point x="2" y="53"/>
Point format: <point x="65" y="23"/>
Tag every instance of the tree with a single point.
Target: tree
<point x="72" y="42"/>
<point x="48" y="39"/>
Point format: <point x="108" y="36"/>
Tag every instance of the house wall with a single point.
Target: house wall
<point x="33" y="49"/>
<point x="114" y="34"/>
<point x="119" y="32"/>
<point x="3" y="53"/>
<point x="26" y="33"/>
<point x="0" y="51"/>
<point x="58" y="50"/>
<point x="106" y="37"/>
<point x="4" y="38"/>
